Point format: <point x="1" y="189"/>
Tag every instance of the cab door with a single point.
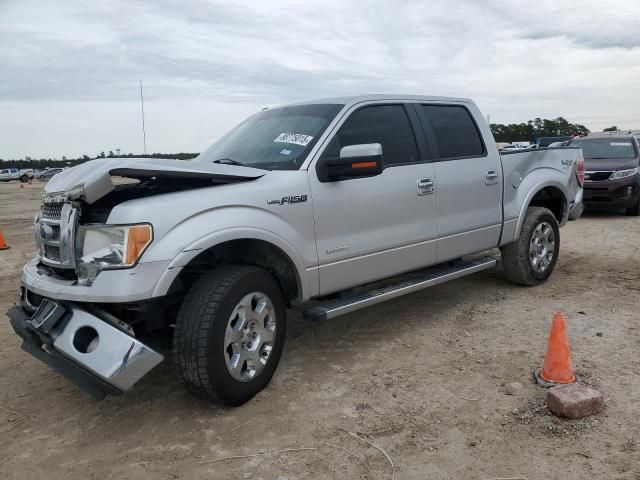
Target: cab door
<point x="469" y="175"/>
<point x="378" y="226"/>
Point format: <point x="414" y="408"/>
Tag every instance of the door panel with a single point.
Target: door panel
<point x="375" y="227"/>
<point x="469" y="210"/>
<point x="469" y="191"/>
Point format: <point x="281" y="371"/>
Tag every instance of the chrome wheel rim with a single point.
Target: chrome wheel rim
<point x="542" y="247"/>
<point x="250" y="336"/>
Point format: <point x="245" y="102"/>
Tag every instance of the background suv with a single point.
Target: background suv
<point x="612" y="180"/>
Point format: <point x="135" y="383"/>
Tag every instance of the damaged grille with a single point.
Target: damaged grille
<point x="55" y="232"/>
<point x="52" y="211"/>
<point x="52" y="253"/>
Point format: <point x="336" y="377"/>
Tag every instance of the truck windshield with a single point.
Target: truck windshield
<point x="278" y="139"/>
<point x="604" y="148"/>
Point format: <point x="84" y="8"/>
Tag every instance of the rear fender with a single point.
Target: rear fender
<point x="533" y="183"/>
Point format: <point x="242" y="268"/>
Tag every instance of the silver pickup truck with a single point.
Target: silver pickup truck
<point x="328" y="206"/>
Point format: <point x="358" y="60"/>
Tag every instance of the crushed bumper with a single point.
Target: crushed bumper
<point x="96" y="355"/>
<point x="111" y="286"/>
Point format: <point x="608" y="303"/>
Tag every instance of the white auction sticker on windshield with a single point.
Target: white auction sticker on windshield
<point x="294" y="138"/>
<point x="620" y="144"/>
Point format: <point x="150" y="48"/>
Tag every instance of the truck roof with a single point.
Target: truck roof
<point x="350" y="100"/>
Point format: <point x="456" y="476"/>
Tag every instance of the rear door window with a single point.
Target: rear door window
<point x="456" y="134"/>
<point x="387" y="125"/>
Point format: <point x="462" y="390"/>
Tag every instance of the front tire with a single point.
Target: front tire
<point x="530" y="260"/>
<point x="230" y="333"/>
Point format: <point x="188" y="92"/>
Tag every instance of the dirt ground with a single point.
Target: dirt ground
<point x="422" y="378"/>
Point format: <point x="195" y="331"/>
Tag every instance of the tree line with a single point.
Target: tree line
<point x="42" y="163"/>
<point x="536" y="128"/>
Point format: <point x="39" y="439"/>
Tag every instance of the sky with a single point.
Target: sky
<point x="70" y="70"/>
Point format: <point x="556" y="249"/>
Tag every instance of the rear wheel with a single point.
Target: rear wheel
<point x="530" y="260"/>
<point x="230" y="333"/>
<point x="24" y="178"/>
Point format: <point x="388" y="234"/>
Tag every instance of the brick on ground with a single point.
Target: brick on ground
<point x="574" y="400"/>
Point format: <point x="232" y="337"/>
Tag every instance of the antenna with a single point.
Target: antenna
<point x="144" y="133"/>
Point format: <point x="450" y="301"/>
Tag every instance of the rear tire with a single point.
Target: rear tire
<point x="530" y="260"/>
<point x="633" y="211"/>
<point x="230" y="333"/>
<point x="24" y="178"/>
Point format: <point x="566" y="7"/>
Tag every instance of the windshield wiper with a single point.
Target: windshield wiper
<point x="227" y="161"/>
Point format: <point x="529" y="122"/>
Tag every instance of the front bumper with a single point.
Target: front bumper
<point x="623" y="193"/>
<point x="98" y="356"/>
<point x="110" y="286"/>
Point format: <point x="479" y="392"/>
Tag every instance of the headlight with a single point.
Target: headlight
<point x="109" y="247"/>
<point x="624" y="173"/>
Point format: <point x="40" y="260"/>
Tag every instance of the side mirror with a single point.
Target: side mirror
<point x="355" y="161"/>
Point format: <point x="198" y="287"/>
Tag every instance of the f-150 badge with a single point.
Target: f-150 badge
<point x="290" y="199"/>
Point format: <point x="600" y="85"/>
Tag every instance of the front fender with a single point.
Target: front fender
<point x="198" y="233"/>
<point x="304" y="278"/>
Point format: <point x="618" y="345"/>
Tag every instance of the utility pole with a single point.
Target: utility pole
<point x="144" y="133"/>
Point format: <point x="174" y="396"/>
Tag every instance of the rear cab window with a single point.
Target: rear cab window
<point x="453" y="130"/>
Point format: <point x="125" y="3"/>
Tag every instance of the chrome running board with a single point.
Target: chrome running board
<point x="335" y="308"/>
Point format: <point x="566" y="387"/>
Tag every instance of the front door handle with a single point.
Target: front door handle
<point x="426" y="186"/>
<point x="490" y="177"/>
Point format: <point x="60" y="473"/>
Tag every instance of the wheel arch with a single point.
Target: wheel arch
<point x="255" y="247"/>
<point x="548" y="194"/>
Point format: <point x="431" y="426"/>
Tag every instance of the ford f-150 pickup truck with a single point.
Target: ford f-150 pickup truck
<point x="328" y="206"/>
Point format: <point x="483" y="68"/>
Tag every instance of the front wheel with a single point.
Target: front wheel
<point x="531" y="258"/>
<point x="633" y="211"/>
<point x="230" y="333"/>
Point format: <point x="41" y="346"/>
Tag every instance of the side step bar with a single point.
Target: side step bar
<point x="335" y="308"/>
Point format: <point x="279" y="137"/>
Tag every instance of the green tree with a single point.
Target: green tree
<point x="536" y="128"/>
<point x="611" y="129"/>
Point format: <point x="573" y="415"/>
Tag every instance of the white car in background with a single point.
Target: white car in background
<point x="8" y="174"/>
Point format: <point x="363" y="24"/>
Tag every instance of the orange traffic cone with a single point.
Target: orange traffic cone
<point x="3" y="243"/>
<point x="557" y="368"/>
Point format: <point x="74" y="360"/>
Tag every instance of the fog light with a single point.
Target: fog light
<point x="629" y="191"/>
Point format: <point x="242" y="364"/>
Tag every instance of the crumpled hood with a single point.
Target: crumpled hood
<point x="95" y="176"/>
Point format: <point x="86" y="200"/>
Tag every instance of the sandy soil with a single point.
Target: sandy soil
<point x="422" y="377"/>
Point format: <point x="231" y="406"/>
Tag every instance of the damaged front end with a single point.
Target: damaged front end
<point x="72" y="233"/>
<point x="90" y="330"/>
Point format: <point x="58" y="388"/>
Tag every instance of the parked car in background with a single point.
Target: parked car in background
<point x="48" y="173"/>
<point x="612" y="178"/>
<point x="8" y="174"/>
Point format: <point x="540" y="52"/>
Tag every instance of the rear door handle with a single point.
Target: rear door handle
<point x="426" y="186"/>
<point x="490" y="177"/>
